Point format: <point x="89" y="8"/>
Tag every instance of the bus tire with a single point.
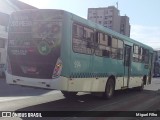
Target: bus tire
<point x="109" y="89"/>
<point x="69" y="94"/>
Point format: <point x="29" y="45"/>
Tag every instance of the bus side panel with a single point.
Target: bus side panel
<point x="66" y="45"/>
<point x="108" y="66"/>
<point x="138" y="71"/>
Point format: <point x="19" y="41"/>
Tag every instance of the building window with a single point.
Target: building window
<point x="111" y="11"/>
<point x="0" y="57"/>
<point x="106" y="11"/>
<point x="2" y="43"/>
<point x="105" y="22"/>
<point x="110" y="17"/>
<point x="90" y="11"/>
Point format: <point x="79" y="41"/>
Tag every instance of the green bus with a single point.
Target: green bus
<point x="55" y="49"/>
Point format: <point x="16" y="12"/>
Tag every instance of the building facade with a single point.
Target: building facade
<point x="7" y="7"/>
<point x="110" y="17"/>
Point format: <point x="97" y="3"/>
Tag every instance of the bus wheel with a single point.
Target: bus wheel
<point x="109" y="90"/>
<point x="69" y="94"/>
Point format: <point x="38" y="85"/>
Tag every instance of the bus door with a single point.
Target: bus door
<point x="127" y="65"/>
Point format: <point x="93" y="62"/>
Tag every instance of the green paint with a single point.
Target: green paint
<point x="44" y="48"/>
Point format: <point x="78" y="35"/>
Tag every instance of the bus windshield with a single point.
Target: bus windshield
<point x="34" y="38"/>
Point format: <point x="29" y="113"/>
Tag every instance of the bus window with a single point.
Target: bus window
<point x="140" y="54"/>
<point x="120" y="50"/>
<point x="108" y="46"/>
<point x="135" y="53"/>
<point x="88" y="34"/>
<point x="109" y="40"/>
<point x="75" y="33"/>
<point x="82" y="39"/>
<point x="114" y="47"/>
<point x="146" y="56"/>
<point x="103" y="48"/>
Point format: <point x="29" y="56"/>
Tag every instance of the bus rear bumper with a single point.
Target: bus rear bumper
<point x="59" y="83"/>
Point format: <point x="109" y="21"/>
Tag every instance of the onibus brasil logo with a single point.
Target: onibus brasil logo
<point x="20" y="114"/>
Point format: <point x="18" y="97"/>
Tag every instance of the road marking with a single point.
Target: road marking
<point x="5" y="99"/>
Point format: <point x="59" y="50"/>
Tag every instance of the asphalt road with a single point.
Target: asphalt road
<point x="17" y="98"/>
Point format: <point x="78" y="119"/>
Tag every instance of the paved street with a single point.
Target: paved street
<point x="17" y="98"/>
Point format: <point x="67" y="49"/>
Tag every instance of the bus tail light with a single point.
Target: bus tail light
<point x="57" y="69"/>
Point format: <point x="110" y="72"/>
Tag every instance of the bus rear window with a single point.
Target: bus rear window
<point x="25" y="21"/>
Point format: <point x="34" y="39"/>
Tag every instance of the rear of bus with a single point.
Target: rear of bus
<point x="33" y="53"/>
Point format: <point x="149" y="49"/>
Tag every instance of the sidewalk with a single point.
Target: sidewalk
<point x="155" y="85"/>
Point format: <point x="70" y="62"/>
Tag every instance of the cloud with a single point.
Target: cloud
<point x="149" y="35"/>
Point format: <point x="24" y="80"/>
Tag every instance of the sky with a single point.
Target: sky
<point x="144" y="14"/>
